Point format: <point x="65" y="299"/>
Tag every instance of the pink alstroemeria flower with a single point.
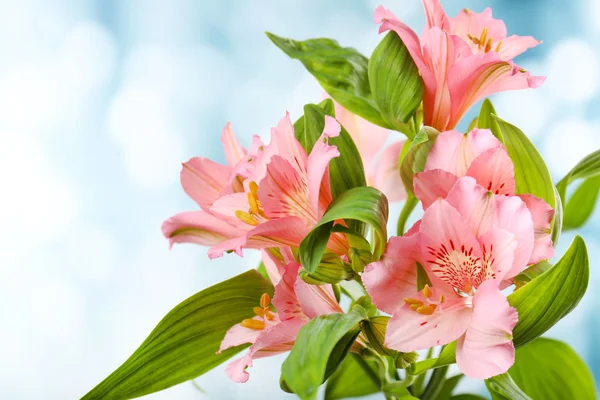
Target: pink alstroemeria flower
<point x="270" y="332"/>
<point x="280" y="193"/>
<point x="461" y="60"/>
<point x="467" y="243"/>
<point x="481" y="155"/>
<point x="381" y="172"/>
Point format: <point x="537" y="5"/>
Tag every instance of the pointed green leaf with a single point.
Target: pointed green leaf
<point x="395" y="82"/>
<point x="341" y="71"/>
<point x="354" y="378"/>
<point x="416" y="156"/>
<point x="502" y="387"/>
<point x="484" y="121"/>
<point x="551" y="370"/>
<point x="323" y="339"/>
<point x="184" y="344"/>
<point x="586" y="168"/>
<point x="308" y="138"/>
<point x="581" y="203"/>
<point x="449" y="386"/>
<point x="531" y="174"/>
<point x="365" y="204"/>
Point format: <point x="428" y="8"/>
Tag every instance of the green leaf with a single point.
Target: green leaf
<point x="502" y="387"/>
<point x="581" y="204"/>
<point x="541" y="303"/>
<point x="341" y="71"/>
<point x="262" y="270"/>
<point x="548" y="298"/>
<point x="308" y="138"/>
<point x="531" y="174"/>
<point x="365" y="204"/>
<point x="467" y="396"/>
<point x="415" y="158"/>
<point x="331" y="269"/>
<point x="531" y="273"/>
<point x="449" y="385"/>
<point x="586" y="168"/>
<point x="550" y="370"/>
<point x="183" y="345"/>
<point x="354" y="378"/>
<point x="436" y="383"/>
<point x="422" y="278"/>
<point x="395" y="82"/>
<point x="484" y="121"/>
<point x="323" y="338"/>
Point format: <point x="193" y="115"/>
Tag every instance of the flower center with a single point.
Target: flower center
<point x="426" y="306"/>
<point x="457" y="266"/>
<point x="263" y="312"/>
<point x="483" y="42"/>
<point x="255" y="213"/>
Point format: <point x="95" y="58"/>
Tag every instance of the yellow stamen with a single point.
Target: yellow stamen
<point x="426" y="291"/>
<point x="415" y="307"/>
<point x="253" y="324"/>
<point x="467" y="11"/>
<point x="498" y="46"/>
<point x="245" y="217"/>
<point x="253" y="188"/>
<point x="425" y="310"/>
<point x="441" y="298"/>
<point x="408" y="300"/>
<point x="265" y="300"/>
<point x="473" y="39"/>
<point x="269" y="316"/>
<point x="483" y="38"/>
<point x="259" y="311"/>
<point x="488" y="45"/>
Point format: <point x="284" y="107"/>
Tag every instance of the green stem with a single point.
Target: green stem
<point x="407" y="209"/>
<point x="368" y="370"/>
<point x="438" y="377"/>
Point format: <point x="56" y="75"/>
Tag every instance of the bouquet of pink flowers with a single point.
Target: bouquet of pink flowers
<point x="359" y="311"/>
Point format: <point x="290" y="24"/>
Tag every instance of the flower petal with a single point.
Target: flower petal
<point x="451" y="249"/>
<point x="542" y="215"/>
<point x="272" y="341"/>
<point x="316" y="300"/>
<point x="435" y="14"/>
<point x="432" y="185"/>
<point x="274" y="267"/>
<point x="409" y="330"/>
<point x="468" y="22"/>
<point x="284" y="192"/>
<point x="227" y="206"/>
<point x="386" y="175"/>
<point x="454" y="152"/>
<point x="203" y="180"/>
<point x="514" y="45"/>
<point x="234" y="152"/>
<point x="198" y="227"/>
<point x="286" y="145"/>
<point x="476" y="205"/>
<point x="498" y="247"/>
<point x="394" y="277"/>
<point x="486" y="349"/>
<point x="318" y="163"/>
<point x="237" y="335"/>
<point x="494" y="170"/>
<point x="285" y="299"/>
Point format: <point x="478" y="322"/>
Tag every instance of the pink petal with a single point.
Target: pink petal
<point x="203" y="180"/>
<point x="479" y="76"/>
<point x="409" y="330"/>
<point x="237" y="335"/>
<point x="498" y="248"/>
<point x="270" y="342"/>
<point x="285" y="300"/>
<point x="318" y="162"/>
<point x="441" y="52"/>
<point x="368" y="138"/>
<point x="494" y="170"/>
<point x="435" y="14"/>
<point x="514" y="45"/>
<point x="432" y="185"/>
<point x="388" y="21"/>
<point x="284" y="192"/>
<point x="542" y="215"/>
<point x="451" y="249"/>
<point x="486" y="349"/>
<point x="316" y="300"/>
<point x="235" y="245"/>
<point x="286" y="145"/>
<point x="476" y="205"/>
<point x="274" y="267"/>
<point x="226" y="207"/>
<point x="469" y="23"/>
<point x="513" y="216"/>
<point x="386" y="175"/>
<point x="454" y="152"/>
<point x="234" y="152"/>
<point x="394" y="276"/>
<point x="198" y="227"/>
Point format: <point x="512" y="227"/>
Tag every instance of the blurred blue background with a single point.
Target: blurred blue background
<point x="101" y="100"/>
